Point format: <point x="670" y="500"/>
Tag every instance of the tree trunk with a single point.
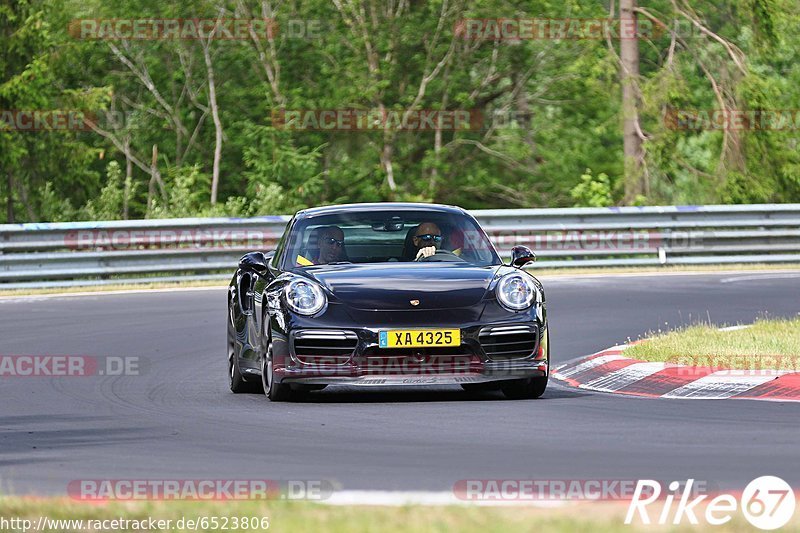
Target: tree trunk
<point x="437" y="141"/>
<point x="10" y="199"/>
<point x="126" y="195"/>
<point x="212" y="102"/>
<point x="629" y="73"/>
<point x="524" y="114"/>
<point x="23" y="196"/>
<point x="437" y="151"/>
<point x="155" y="179"/>
<point x="386" y="163"/>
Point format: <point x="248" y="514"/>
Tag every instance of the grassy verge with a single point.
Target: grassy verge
<point x="539" y="272"/>
<point x="306" y="516"/>
<point x="765" y="344"/>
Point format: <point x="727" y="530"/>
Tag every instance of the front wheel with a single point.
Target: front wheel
<point x="525" y="389"/>
<point x="276" y="392"/>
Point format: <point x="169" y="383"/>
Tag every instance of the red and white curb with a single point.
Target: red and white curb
<point x="610" y="371"/>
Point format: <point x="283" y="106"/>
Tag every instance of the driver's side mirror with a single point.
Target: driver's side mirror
<point x="255" y="261"/>
<point x="521" y="256"/>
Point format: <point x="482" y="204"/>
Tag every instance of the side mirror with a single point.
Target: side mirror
<point x="255" y="261"/>
<point x="521" y="256"/>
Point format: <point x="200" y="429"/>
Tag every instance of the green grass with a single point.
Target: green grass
<point x="308" y="516"/>
<point x="766" y="344"/>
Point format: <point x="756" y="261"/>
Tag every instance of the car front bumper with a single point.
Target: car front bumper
<point x="368" y="365"/>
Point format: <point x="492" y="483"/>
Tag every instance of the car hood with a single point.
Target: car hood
<point x="393" y="286"/>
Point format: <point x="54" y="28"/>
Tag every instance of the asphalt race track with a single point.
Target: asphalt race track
<point x="179" y="421"/>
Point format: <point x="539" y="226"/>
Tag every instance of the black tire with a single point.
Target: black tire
<point x="525" y="389"/>
<point x="238" y="384"/>
<point x="276" y="392"/>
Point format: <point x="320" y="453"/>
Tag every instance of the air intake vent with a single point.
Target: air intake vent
<point x="319" y="347"/>
<point x="508" y="342"/>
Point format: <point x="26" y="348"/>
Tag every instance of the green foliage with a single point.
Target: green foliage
<point x="55" y="208"/>
<point x="280" y="176"/>
<point x="109" y="204"/>
<point x="764" y="13"/>
<point x="593" y="191"/>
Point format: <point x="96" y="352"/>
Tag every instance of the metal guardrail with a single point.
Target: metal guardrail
<point x="90" y="253"/>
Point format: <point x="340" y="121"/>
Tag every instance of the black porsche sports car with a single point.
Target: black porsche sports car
<point x="386" y="294"/>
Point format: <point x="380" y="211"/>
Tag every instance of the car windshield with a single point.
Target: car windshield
<point x="388" y="236"/>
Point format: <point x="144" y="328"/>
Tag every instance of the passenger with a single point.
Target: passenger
<point x="325" y="245"/>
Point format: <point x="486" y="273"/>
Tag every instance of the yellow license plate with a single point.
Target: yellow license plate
<point x="419" y="338"/>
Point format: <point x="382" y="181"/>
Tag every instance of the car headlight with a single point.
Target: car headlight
<point x="516" y="292"/>
<point x="304" y="297"/>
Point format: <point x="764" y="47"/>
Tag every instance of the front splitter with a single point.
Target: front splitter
<point x="395" y="380"/>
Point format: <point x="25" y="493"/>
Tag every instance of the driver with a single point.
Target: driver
<point x="427" y="238"/>
<point x="331" y="245"/>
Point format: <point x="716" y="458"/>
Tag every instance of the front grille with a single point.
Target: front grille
<point x="319" y="347"/>
<point x="508" y="342"/>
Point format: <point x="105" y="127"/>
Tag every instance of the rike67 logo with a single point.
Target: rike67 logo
<point x="768" y="503"/>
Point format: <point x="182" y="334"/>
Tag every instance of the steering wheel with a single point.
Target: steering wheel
<point x="442" y="256"/>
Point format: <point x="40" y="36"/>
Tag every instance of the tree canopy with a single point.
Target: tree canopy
<point x="171" y="124"/>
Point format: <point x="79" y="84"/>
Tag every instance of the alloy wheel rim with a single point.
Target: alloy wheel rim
<point x="231" y="367"/>
<point x="266" y="370"/>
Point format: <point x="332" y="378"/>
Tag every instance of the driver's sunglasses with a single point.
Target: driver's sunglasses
<point x="427" y="237"/>
<point x="331" y="241"/>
